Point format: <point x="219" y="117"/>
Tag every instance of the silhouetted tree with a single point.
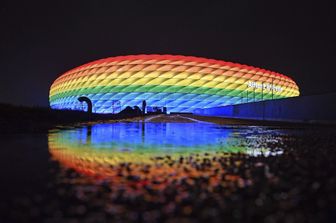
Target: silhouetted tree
<point x="137" y="110"/>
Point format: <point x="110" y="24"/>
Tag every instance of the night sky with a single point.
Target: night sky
<point x="40" y="40"/>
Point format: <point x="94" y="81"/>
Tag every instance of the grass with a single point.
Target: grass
<point x="19" y="119"/>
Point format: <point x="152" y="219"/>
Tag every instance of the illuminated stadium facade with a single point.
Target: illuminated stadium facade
<point x="179" y="83"/>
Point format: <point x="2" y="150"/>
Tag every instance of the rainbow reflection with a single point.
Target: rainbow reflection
<point x="94" y="149"/>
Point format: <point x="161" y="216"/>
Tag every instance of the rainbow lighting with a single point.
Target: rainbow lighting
<point x="179" y="83"/>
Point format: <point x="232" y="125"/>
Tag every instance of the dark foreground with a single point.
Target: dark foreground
<point x="298" y="185"/>
<point x="295" y="184"/>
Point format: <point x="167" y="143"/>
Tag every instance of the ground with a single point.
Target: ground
<point x="296" y="185"/>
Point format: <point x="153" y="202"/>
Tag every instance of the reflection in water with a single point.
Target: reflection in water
<point x="95" y="149"/>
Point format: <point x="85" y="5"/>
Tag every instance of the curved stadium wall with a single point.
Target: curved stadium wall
<point x="179" y="83"/>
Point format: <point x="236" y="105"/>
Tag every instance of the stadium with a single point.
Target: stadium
<point x="173" y="83"/>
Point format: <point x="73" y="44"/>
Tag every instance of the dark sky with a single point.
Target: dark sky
<point x="40" y="40"/>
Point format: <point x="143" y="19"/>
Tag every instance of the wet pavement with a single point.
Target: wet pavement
<point x="169" y="172"/>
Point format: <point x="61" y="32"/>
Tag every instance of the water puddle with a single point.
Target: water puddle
<point x="94" y="149"/>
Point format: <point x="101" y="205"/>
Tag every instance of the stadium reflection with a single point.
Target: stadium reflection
<point x="95" y="149"/>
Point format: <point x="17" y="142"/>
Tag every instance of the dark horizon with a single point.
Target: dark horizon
<point x="40" y="41"/>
